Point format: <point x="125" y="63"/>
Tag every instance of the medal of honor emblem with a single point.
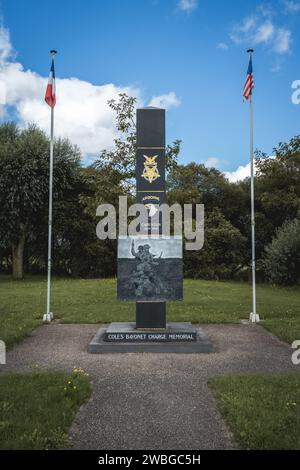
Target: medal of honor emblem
<point x="150" y="172"/>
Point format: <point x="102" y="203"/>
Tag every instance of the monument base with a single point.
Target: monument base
<point x="175" y="338"/>
<point x="150" y="315"/>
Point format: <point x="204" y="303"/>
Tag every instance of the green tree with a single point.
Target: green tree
<point x="195" y="184"/>
<point x="122" y="157"/>
<point x="278" y="182"/>
<point x="223" y="253"/>
<point x="282" y="258"/>
<point x="24" y="183"/>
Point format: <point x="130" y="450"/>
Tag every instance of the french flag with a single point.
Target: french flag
<point x="50" y="97"/>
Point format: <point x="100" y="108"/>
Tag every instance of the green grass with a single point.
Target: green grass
<point x="262" y="411"/>
<point x="286" y="328"/>
<point x="22" y="304"/>
<point x="37" y="409"/>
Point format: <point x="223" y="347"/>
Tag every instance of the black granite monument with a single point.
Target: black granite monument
<point x="150" y="265"/>
<point x="150" y="189"/>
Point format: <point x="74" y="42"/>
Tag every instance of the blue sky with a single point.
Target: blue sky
<point x="194" y="52"/>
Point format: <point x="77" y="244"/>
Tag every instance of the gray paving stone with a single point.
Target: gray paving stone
<point x="152" y="401"/>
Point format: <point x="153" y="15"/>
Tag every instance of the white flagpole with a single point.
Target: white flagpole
<point x="48" y="316"/>
<point x="254" y="317"/>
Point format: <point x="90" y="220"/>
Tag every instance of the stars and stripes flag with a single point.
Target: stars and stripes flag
<point x="50" y="97"/>
<point x="249" y="83"/>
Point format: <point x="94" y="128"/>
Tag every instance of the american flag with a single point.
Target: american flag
<point x="50" y="97"/>
<point x="249" y="83"/>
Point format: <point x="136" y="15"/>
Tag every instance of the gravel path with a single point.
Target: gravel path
<point x="152" y="401"/>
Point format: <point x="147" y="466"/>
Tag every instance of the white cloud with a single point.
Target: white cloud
<point x="243" y="171"/>
<point x="222" y="45"/>
<point x="267" y="10"/>
<point x="167" y="101"/>
<point x="256" y="29"/>
<point x="282" y="41"/>
<point x="239" y="174"/>
<point x="239" y="31"/>
<point x="264" y="32"/>
<point x="212" y="162"/>
<point x="291" y="6"/>
<point x="6" y="49"/>
<point x="81" y="113"/>
<point x="187" y="5"/>
<point x="247" y="24"/>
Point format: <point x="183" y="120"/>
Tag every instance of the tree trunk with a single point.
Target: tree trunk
<point x="18" y="255"/>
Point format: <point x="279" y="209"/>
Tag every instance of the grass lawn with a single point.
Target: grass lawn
<point x="37" y="409"/>
<point x="262" y="411"/>
<point x="22" y="304"/>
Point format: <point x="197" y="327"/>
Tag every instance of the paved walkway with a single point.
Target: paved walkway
<point x="152" y="401"/>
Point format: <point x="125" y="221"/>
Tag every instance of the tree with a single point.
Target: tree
<point x="9" y="134"/>
<point x="24" y="183"/>
<point x="278" y="182"/>
<point x="282" y="258"/>
<point x="122" y="157"/>
<point x="196" y="184"/>
<point x="223" y="253"/>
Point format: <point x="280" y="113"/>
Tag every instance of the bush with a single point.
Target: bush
<point x="282" y="259"/>
<point x="223" y="253"/>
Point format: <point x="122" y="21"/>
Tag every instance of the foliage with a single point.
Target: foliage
<point x="223" y="253"/>
<point x="122" y="157"/>
<point x="282" y="259"/>
<point x="278" y="182"/>
<point x="78" y="190"/>
<point x="24" y="180"/>
<point x="194" y="183"/>
<point x="24" y="176"/>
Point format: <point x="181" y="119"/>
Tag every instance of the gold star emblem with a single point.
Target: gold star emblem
<point x="150" y="172"/>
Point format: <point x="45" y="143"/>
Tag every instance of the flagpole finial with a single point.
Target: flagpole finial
<point x="250" y="51"/>
<point x="53" y="52"/>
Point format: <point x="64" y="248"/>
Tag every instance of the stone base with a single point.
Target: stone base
<point x="175" y="338"/>
<point x="150" y="315"/>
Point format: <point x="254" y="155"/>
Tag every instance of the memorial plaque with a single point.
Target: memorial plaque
<point x="127" y="333"/>
<point x="150" y="268"/>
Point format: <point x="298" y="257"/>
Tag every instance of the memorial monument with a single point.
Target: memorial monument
<point x="150" y="265"/>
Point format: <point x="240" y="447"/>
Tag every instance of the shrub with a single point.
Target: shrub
<point x="282" y="259"/>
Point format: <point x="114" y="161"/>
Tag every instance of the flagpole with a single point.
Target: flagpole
<point x="48" y="316"/>
<point x="254" y="317"/>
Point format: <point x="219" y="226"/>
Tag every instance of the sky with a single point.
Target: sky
<point x="188" y="56"/>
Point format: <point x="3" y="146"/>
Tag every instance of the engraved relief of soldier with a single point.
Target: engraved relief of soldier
<point x="146" y="280"/>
